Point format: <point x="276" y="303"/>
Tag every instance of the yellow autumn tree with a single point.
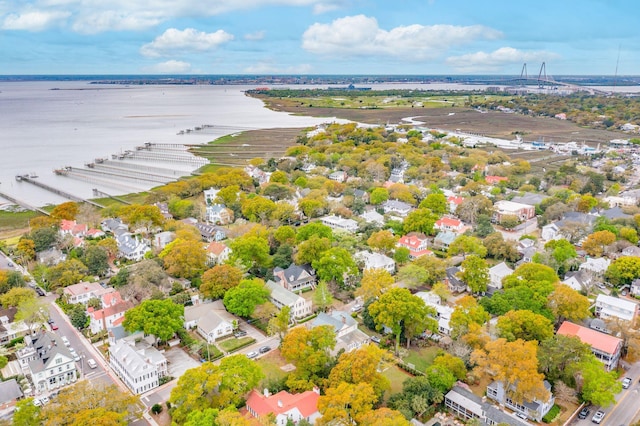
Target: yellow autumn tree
<point x="515" y="364"/>
<point x="374" y="283"/>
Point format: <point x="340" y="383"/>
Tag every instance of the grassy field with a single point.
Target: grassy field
<point x="271" y="364"/>
<point x="421" y="358"/>
<point x="446" y="113"/>
<point x="230" y="345"/>
<point x="237" y="149"/>
<point x="396" y="376"/>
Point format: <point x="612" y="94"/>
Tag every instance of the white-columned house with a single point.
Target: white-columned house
<point x="339" y="223"/>
<point x="210" y="320"/>
<point x="281" y="297"/>
<point x="443" y="312"/>
<point x="534" y="409"/>
<point x="137" y="368"/>
<point x="285" y="406"/>
<point x="376" y="261"/>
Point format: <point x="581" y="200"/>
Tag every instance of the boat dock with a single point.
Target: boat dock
<point x="24" y="204"/>
<point x="99" y="193"/>
<point x="28" y="179"/>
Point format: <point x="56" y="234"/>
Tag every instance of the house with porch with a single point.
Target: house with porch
<point x="338" y="223"/>
<point x="218" y="214"/>
<point x="504" y="208"/>
<point x="371" y="260"/>
<point x="464" y="404"/>
<point x="281" y="297"/>
<point x="139" y="367"/>
<point x="450" y="224"/>
<point x="348" y="336"/>
<point x="10" y="328"/>
<point x="606" y="348"/>
<point x="416" y="243"/>
<point x="608" y="307"/>
<point x="497" y="273"/>
<point x="211" y="320"/>
<point x="535" y="409"/>
<point x="295" y="277"/>
<point x="395" y="207"/>
<point x="217" y="253"/>
<point x="84" y="291"/>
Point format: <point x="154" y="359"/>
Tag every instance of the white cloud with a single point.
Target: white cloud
<point x="361" y="36"/>
<point x="258" y="35"/>
<point x="268" y="67"/>
<point x="494" y="61"/>
<point x="188" y="40"/>
<point x="320" y="8"/>
<point x="95" y="16"/>
<point x="170" y="67"/>
<point x="36" y="20"/>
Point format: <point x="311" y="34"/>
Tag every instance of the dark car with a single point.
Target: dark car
<point x="583" y="413"/>
<point x="264" y="349"/>
<point x="39" y="291"/>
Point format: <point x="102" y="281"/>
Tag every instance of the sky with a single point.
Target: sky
<point x="402" y="37"/>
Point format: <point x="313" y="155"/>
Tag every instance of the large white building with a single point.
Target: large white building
<point x="139" y="368"/>
<point x="613" y="307"/>
<point x="339" y="223"/>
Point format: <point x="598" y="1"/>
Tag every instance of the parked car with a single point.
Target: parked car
<point x="252" y="354"/>
<point x="37" y="402"/>
<point x="626" y="382"/>
<point x="40" y="291"/>
<point x="598" y="416"/>
<point x="92" y="363"/>
<point x="264" y="349"/>
<point x="54" y="326"/>
<point x="66" y="341"/>
<point x="375" y="339"/>
<point x="522" y="416"/>
<point x="50" y="321"/>
<point x="356" y="308"/>
<point x="584" y="413"/>
<point x="239" y="333"/>
<point x="45" y="400"/>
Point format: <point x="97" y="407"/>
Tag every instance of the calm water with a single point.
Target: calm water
<point x="43" y="129"/>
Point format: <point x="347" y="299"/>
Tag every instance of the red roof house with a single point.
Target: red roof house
<point x="285" y="405"/>
<point x="450" y="224"/>
<point x="416" y="243"/>
<point x="492" y="180"/>
<point x="605" y="347"/>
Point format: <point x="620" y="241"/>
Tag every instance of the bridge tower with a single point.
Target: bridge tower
<point x="523" y="75"/>
<point x="542" y="76"/>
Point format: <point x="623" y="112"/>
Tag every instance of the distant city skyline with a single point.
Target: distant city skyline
<point x="420" y="37"/>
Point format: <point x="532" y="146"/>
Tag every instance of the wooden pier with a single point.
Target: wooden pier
<point x="99" y="193"/>
<point x="24" y="204"/>
<point x="26" y="178"/>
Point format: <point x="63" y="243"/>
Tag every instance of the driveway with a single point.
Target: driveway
<point x="178" y="362"/>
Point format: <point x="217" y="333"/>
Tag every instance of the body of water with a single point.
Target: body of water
<point x="48" y="125"/>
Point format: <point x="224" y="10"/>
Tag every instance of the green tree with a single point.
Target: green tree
<point x="96" y="260"/>
<point x="524" y="325"/>
<point x="379" y="196"/>
<point x="420" y="220"/>
<point x="451" y="363"/>
<point x="436" y="202"/>
<point x="383" y="241"/>
<point x="311" y="249"/>
<point x="334" y="265"/>
<point x="162" y="318"/>
<point x="559" y="354"/>
<point x="78" y="316"/>
<point x="483" y="226"/>
<point x="26" y="414"/>
<point x="374" y="283"/>
<point x="598" y="386"/>
<point x="475" y="273"/>
<point x="417" y="395"/>
<point x="396" y="309"/>
<point x="466" y="245"/>
<point x="251" y="251"/>
<point x="242" y="299"/>
<point x="312" y="229"/>
<point x="623" y="270"/>
<point x="16" y="296"/>
<point x="401" y="255"/>
<point x="217" y="280"/>
<point x="43" y="238"/>
<point x="33" y="312"/>
<point x="322" y="297"/>
<point x="280" y="323"/>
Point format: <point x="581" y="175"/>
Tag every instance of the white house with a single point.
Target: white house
<point x="635" y="287"/>
<point x="534" y="409"/>
<point x="416" y="243"/>
<point x="217" y="252"/>
<point x="211" y="320"/>
<point x="509" y="208"/>
<point x="596" y="265"/>
<point x="550" y="232"/>
<point x="131" y="247"/>
<point x="84" y="291"/>
<point x="373" y="217"/>
<point x="606" y="348"/>
<point x="444" y="312"/>
<point x="339" y="223"/>
<point x="9" y="328"/>
<point x="281" y="297"/>
<point x="579" y="280"/>
<point x="48" y="361"/>
<point x="376" y="261"/>
<point x="612" y="307"/>
<point x="210" y="195"/>
<point x="286" y="407"/>
<point x="218" y="214"/>
<point x="399" y="208"/>
<point x="137" y="368"/>
<point x="497" y="273"/>
<point x="348" y="336"/>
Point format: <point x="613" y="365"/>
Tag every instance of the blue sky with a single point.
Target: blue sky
<point x="319" y="36"/>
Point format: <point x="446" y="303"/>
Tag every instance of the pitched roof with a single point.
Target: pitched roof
<point x="593" y="338"/>
<point x="83" y="288"/>
<point x="412" y="240"/>
<point x="9" y="390"/>
<point x="448" y="221"/>
<point x="216" y="248"/>
<point x="283" y="402"/>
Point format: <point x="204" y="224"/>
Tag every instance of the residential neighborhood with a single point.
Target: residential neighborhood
<point x="485" y="290"/>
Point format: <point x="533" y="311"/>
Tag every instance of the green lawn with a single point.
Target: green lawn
<point x="270" y="365"/>
<point x="396" y="376"/>
<point x="16" y="220"/>
<point x="230" y="345"/>
<point x="421" y="358"/>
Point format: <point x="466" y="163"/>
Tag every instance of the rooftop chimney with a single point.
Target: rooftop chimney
<point x="266" y="392"/>
<point x="280" y="404"/>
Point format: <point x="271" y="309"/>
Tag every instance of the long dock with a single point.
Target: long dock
<point x="99" y="193"/>
<point x="24" y="204"/>
<point x="26" y="178"/>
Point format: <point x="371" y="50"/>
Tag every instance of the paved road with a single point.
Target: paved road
<point x="626" y="410"/>
<point x="82" y="346"/>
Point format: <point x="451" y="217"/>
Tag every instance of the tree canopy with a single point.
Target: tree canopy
<point x="162" y="318"/>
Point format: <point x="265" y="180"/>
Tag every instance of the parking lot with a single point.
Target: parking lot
<point x="178" y="362"/>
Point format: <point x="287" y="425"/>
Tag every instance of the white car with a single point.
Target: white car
<point x="598" y="416"/>
<point x="66" y="341"/>
<point x="626" y="382"/>
<point x="45" y="400"/>
<point x="92" y="363"/>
